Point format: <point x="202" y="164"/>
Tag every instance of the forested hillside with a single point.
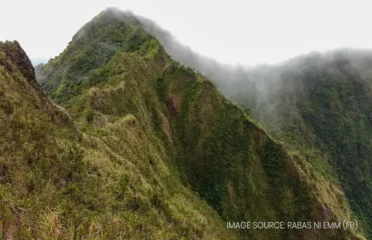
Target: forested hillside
<point x="318" y="104"/>
<point x="321" y="106"/>
<point x="187" y="153"/>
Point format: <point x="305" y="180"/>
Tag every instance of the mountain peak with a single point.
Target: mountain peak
<point x="106" y="17"/>
<point x="120" y="86"/>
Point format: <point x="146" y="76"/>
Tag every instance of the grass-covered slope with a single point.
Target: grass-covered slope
<point x="239" y="169"/>
<point x="321" y="106"/>
<point x="156" y="124"/>
<point x="93" y="46"/>
<point x="57" y="182"/>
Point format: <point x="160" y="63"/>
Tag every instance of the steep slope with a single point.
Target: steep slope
<point x="318" y="105"/>
<point x="59" y="183"/>
<point x="321" y="105"/>
<point x="121" y="89"/>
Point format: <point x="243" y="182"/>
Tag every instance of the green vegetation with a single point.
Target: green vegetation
<point x="151" y="150"/>
<point x="324" y="112"/>
<point x="57" y="182"/>
<point x="239" y="170"/>
<point x="91" y="48"/>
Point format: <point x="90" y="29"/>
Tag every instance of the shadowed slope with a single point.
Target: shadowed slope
<point x="169" y="121"/>
<point x="318" y="104"/>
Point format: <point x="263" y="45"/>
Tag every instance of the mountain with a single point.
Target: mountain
<point x="143" y="147"/>
<point x="58" y="182"/>
<point x="319" y="105"/>
<point x="115" y="72"/>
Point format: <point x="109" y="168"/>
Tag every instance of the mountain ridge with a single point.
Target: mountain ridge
<point x="144" y="148"/>
<point x="58" y="182"/>
<point x="276" y="96"/>
<point x="190" y="124"/>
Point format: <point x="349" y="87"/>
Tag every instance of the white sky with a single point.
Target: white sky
<point x="232" y="31"/>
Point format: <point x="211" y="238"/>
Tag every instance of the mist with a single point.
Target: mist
<point x="260" y="88"/>
<point x="226" y="76"/>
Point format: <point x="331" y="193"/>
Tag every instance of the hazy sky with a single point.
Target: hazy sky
<point x="246" y="32"/>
